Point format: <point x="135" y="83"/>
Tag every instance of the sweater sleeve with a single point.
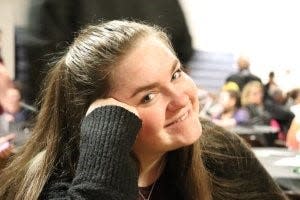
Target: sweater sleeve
<point x="105" y="169"/>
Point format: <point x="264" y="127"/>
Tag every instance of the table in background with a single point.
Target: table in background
<point x="281" y="163"/>
<point x="257" y="135"/>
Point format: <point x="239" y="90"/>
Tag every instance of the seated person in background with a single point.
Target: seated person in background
<point x="9" y="106"/>
<point x="102" y="135"/>
<point x="264" y="112"/>
<point x="271" y="84"/>
<point x="277" y="96"/>
<point x="232" y="114"/>
<point x="9" y="95"/>
<point x="6" y="148"/>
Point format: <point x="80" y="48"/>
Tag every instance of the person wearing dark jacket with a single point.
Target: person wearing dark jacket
<point x="243" y="76"/>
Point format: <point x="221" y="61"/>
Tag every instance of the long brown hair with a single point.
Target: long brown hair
<point x="79" y="77"/>
<point x="235" y="173"/>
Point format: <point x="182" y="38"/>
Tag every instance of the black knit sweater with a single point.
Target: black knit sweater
<point x="105" y="169"/>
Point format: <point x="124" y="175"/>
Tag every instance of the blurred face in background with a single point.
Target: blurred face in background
<point x="243" y="63"/>
<point x="227" y="101"/>
<point x="255" y="95"/>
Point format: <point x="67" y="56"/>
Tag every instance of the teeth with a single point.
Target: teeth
<point x="183" y="117"/>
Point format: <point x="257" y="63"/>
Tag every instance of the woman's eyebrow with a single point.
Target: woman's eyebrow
<point x="155" y="84"/>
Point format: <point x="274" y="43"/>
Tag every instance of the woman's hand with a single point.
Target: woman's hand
<point x="111" y="102"/>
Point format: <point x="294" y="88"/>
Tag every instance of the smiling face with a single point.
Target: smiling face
<point x="150" y="78"/>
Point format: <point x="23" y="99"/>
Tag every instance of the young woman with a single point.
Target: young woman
<point x="119" y="120"/>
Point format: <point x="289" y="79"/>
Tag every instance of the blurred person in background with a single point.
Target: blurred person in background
<point x="243" y="76"/>
<point x="265" y="112"/>
<point x="9" y="106"/>
<point x="9" y="95"/>
<point x="6" y="147"/>
<point x="52" y="24"/>
<point x="270" y="85"/>
<point x="232" y="114"/>
<point x="294" y="99"/>
<point x="278" y="96"/>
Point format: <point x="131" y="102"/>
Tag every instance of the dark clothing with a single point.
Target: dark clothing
<point x="241" y="78"/>
<point x="53" y="24"/>
<point x="263" y="115"/>
<point x="164" y="189"/>
<point x="105" y="171"/>
<point x="282" y="115"/>
<point x="258" y="115"/>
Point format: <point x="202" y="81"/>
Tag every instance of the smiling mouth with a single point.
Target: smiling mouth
<point x="182" y="118"/>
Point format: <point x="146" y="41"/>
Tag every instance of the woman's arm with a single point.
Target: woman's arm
<point x="105" y="169"/>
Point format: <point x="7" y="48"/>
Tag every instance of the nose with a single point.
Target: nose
<point x="178" y="100"/>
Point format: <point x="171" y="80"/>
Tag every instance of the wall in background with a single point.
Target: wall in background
<point x="266" y="31"/>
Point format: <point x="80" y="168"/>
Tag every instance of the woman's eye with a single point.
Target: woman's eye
<point x="148" y="98"/>
<point x="176" y="74"/>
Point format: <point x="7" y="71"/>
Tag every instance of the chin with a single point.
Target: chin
<point x="191" y="136"/>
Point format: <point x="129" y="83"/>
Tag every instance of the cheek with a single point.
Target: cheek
<point x="149" y="136"/>
<point x="192" y="91"/>
<point x="153" y="121"/>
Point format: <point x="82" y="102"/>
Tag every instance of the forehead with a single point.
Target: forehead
<point x="148" y="60"/>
